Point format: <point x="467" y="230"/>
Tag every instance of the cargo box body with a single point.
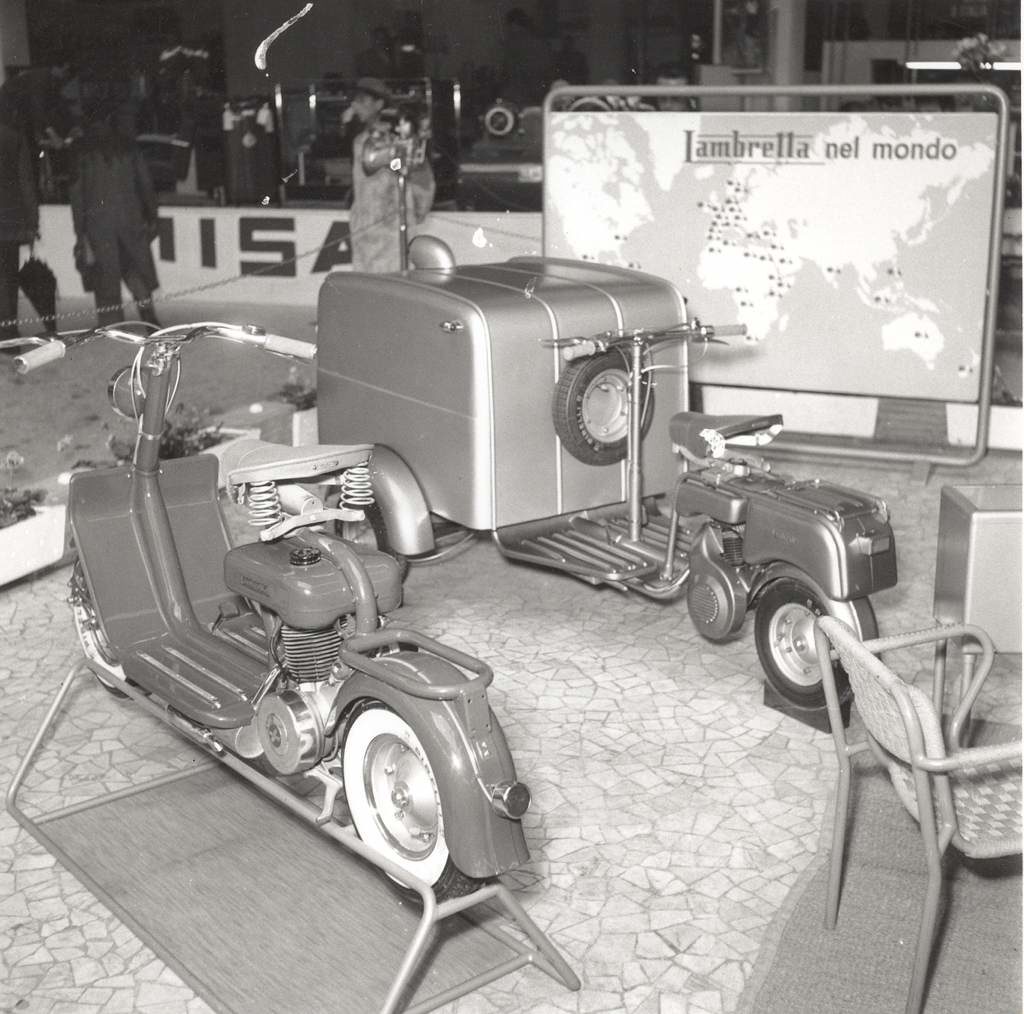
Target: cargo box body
<point x="446" y="368"/>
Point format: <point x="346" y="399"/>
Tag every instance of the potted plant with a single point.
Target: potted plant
<point x="31" y="532"/>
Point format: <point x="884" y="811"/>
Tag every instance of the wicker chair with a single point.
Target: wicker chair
<point x="967" y="797"/>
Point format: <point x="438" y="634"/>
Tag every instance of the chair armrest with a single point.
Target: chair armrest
<point x="931" y="635"/>
<point x="974" y="757"/>
<point x="935" y="635"/>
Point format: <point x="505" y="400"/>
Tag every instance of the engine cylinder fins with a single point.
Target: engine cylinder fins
<point x="732" y="548"/>
<point x="310" y="655"/>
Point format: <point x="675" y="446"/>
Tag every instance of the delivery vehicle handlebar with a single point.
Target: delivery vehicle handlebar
<point x="580" y="347"/>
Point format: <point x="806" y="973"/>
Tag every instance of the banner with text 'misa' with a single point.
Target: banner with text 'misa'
<point x="853" y="246"/>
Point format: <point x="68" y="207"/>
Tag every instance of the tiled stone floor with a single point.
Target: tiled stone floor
<point x="672" y="811"/>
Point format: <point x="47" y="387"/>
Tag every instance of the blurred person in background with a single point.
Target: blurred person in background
<point x="374" y="218"/>
<point x="570" y="65"/>
<point x="19" y="210"/>
<point x="378" y="60"/>
<point x="43" y="110"/>
<point x="114" y="211"/>
<point x="527" y="68"/>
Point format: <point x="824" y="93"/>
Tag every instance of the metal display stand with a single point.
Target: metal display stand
<point x="542" y="953"/>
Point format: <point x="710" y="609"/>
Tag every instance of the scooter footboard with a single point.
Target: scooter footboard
<point x="467" y="762"/>
<point x="838" y="536"/>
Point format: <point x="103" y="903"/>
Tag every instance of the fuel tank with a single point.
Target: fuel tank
<point x="302" y="586"/>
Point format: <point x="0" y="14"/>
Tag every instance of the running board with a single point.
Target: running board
<point x="205" y="678"/>
<point x="585" y="548"/>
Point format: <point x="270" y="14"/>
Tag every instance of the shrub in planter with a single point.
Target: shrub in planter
<point x="31" y="533"/>
<point x="299" y="394"/>
<point x="188" y="431"/>
<point x="18" y="504"/>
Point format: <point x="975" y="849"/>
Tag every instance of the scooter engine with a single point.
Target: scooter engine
<point x="291" y="727"/>
<point x="716" y="593"/>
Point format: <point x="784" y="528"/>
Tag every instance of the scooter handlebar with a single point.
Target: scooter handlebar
<point x="37" y="357"/>
<point x="282" y="346"/>
<point x="252" y="334"/>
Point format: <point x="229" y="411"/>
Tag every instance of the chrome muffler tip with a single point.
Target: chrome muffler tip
<point x="510" y="799"/>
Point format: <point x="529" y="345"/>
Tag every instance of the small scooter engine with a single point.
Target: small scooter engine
<point x="716" y="593"/>
<point x="303" y="596"/>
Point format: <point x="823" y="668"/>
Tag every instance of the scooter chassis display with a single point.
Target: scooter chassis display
<point x="538" y="950"/>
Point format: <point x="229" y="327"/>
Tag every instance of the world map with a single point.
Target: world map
<point x="864" y="233"/>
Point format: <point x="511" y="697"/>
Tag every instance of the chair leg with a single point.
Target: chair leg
<point x="835" y="867"/>
<point x="926" y="934"/>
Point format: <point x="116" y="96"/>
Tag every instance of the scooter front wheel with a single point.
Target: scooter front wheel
<point x="784" y="637"/>
<point x="394" y="801"/>
<point x="90" y="634"/>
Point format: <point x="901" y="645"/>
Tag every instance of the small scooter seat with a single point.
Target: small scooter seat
<point x="687" y="428"/>
<point x="255" y="460"/>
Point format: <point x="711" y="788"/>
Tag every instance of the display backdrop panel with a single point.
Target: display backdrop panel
<point x="854" y="246"/>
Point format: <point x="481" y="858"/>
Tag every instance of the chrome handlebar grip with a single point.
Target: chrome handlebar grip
<point x="34" y="358"/>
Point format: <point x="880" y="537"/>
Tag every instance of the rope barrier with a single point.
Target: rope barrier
<point x="225" y="281"/>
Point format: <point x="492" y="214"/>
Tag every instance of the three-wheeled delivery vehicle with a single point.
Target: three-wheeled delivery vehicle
<point x="547" y="401"/>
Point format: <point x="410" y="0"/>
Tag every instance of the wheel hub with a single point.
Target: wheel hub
<point x="792" y="638"/>
<point x="605" y="407"/>
<point x="401" y="789"/>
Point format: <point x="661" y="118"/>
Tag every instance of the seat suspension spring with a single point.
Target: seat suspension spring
<point x="356" y="489"/>
<point x="264" y="504"/>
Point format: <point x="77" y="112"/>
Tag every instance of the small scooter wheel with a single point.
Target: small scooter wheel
<point x="393" y="799"/>
<point x="90" y="634"/>
<point x="590" y="408"/>
<point x="784" y="637"/>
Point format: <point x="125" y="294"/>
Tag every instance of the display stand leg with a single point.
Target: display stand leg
<point x="540" y="951"/>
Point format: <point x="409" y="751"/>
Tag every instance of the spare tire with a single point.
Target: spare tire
<point x="590" y="408"/>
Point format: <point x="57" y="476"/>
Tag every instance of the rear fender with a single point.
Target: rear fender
<point x="483" y="843"/>
<point x="402" y="503"/>
<point x="773" y="572"/>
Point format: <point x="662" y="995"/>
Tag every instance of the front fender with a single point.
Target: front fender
<point x="483" y="842"/>
<point x="402" y="503"/>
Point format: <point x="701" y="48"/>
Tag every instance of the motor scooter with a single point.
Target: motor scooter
<point x="736" y="537"/>
<point x="278" y="652"/>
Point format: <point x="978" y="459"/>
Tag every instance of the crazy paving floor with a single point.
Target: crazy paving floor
<point x="672" y="810"/>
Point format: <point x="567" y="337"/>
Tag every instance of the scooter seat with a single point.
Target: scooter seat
<point x="254" y="460"/>
<point x="686" y="429"/>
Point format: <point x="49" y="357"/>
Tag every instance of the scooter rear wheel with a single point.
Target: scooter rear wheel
<point x="394" y="802"/>
<point x="784" y="637"/>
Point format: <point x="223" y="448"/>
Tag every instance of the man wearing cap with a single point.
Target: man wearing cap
<point x="374" y="218"/>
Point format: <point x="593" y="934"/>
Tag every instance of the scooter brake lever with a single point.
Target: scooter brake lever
<point x="290" y="523"/>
